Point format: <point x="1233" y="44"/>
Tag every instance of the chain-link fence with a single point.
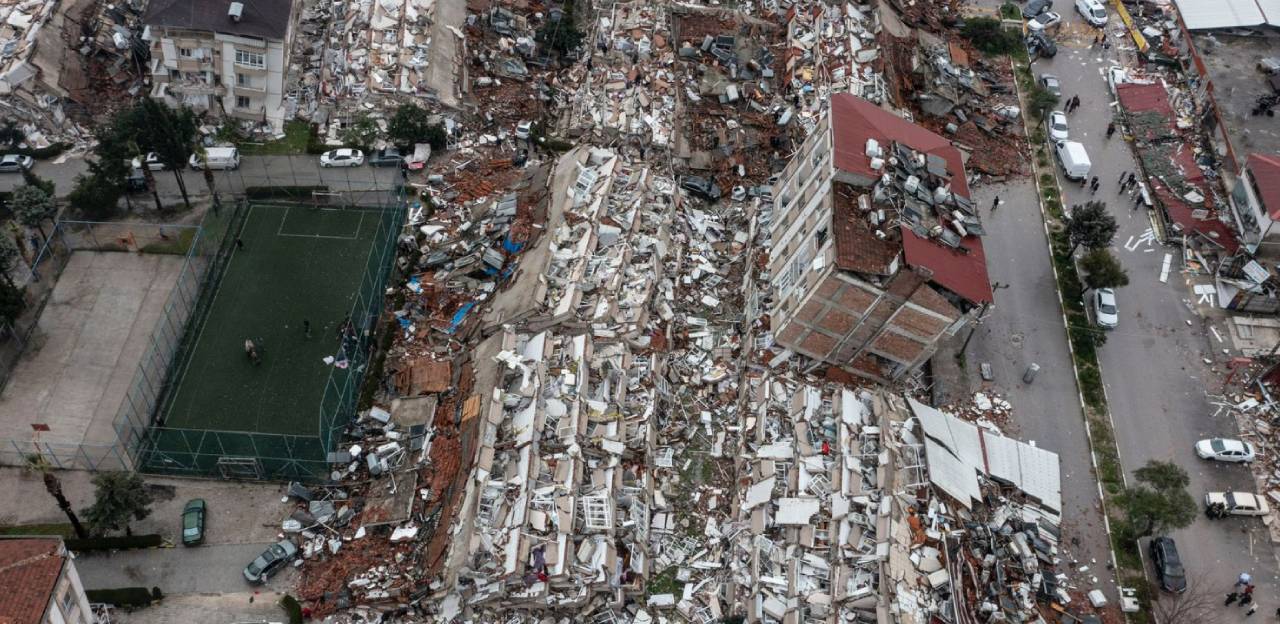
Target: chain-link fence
<point x="243" y="454"/>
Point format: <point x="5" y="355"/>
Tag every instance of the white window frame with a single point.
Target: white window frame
<point x="247" y="102"/>
<point x="256" y="60"/>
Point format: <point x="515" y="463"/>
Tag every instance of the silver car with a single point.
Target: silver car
<point x="15" y="163"/>
<point x="271" y="560"/>
<point x="1225" y="450"/>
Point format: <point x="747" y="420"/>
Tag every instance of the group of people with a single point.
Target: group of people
<point x="346" y="333"/>
<point x="1071" y="105"/>
<point x="1243" y="592"/>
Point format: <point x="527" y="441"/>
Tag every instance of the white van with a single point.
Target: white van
<point x="1092" y="11"/>
<point x="1074" y="160"/>
<point x="218" y="157"/>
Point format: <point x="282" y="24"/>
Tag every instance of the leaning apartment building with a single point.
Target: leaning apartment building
<point x="226" y="58"/>
<point x="876" y="250"/>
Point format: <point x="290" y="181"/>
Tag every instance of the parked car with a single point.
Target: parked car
<point x="1056" y="124"/>
<point x="702" y="187"/>
<point x="1104" y="308"/>
<point x="152" y="160"/>
<point x="216" y="158"/>
<point x="1036" y="7"/>
<point x="524" y="129"/>
<point x="1073" y="158"/>
<point x="1092" y="11"/>
<point x="387" y="157"/>
<point x="193" y="522"/>
<point x="1116" y="76"/>
<point x="1225" y="450"/>
<point x="136" y="182"/>
<point x="1164" y="554"/>
<point x="1235" y="504"/>
<point x="1051" y="84"/>
<point x="271" y="560"/>
<point x="1044" y="21"/>
<point x="15" y="163"/>
<point x="1040" y="45"/>
<point x="343" y="157"/>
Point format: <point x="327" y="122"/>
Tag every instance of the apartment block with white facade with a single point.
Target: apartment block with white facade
<point x="227" y="58"/>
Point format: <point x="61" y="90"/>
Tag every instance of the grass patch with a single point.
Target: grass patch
<point x="59" y="529"/>
<point x="665" y="583"/>
<point x="296" y="135"/>
<point x="174" y="246"/>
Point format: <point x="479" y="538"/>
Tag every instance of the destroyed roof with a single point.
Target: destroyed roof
<point x="854" y="120"/>
<point x="263" y="19"/>
<point x="857" y="246"/>
<point x="1185" y="215"/>
<point x="1141" y="97"/>
<point x="963" y="271"/>
<point x="1206" y="14"/>
<point x="29" y="569"/>
<point x="1265" y="171"/>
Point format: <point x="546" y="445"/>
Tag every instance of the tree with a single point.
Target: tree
<point x="12" y="302"/>
<point x="54" y="487"/>
<point x="119" y="498"/>
<point x="1103" y="270"/>
<point x="33" y="207"/>
<point x="29" y="177"/>
<point x="1159" y="502"/>
<point x="171" y="134"/>
<point x="561" y="35"/>
<point x="1091" y="226"/>
<point x="9" y="254"/>
<point x="1040" y="101"/>
<point x="361" y="132"/>
<point x="411" y="124"/>
<point x="96" y="195"/>
<point x="989" y="35"/>
<point x="1199" y="604"/>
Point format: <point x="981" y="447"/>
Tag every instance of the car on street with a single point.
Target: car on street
<point x="1036" y="7"/>
<point x="1040" y="45"/>
<point x="1092" y="11"/>
<point x="342" y="157"/>
<point x="524" y="129"/>
<point x="702" y="187"/>
<point x="271" y="560"/>
<point x="1044" y="21"/>
<point x="1074" y="159"/>
<point x="153" y="162"/>
<point x="1164" y="555"/>
<point x="1105" y="312"/>
<point x="15" y="163"/>
<point x="1051" y="84"/>
<point x="1116" y="76"/>
<point x="193" y="522"/>
<point x="1057" y="126"/>
<point x="1225" y="450"/>
<point x="386" y="157"/>
<point x="1237" y="503"/>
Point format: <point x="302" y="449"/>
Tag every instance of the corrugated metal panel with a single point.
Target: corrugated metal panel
<point x="951" y="475"/>
<point x="1207" y="14"/>
<point x="960" y="437"/>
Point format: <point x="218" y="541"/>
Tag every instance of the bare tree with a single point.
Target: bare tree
<point x="1200" y="604"/>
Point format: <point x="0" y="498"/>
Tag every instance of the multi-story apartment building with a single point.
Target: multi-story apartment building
<point x="228" y="58"/>
<point x="40" y="584"/>
<point x="876" y="252"/>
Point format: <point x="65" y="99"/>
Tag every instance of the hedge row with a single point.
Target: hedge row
<point x="52" y="151"/>
<point x="123" y="542"/>
<point x="125" y="596"/>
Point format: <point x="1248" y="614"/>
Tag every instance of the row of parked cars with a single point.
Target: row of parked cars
<point x="1041" y="21"/>
<point x="258" y="570"/>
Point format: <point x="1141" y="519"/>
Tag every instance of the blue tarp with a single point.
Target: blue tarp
<point x="459" y="316"/>
<point x="511" y="246"/>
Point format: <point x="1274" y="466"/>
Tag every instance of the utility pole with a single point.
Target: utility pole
<point x="972" y="330"/>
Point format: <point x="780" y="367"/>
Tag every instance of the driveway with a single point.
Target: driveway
<point x="261" y="606"/>
<point x="201" y="570"/>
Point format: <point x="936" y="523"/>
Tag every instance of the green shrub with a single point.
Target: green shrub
<point x="1010" y="10"/>
<point x="283" y="192"/>
<point x="124" y="596"/>
<point x="292" y="608"/>
<point x="989" y="35"/>
<point x="52" y="151"/>
<point x="122" y="542"/>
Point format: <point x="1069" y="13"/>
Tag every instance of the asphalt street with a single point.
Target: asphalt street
<point x="1153" y="364"/>
<point x="214" y="569"/>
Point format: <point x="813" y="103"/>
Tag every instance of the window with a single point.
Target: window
<point x="185" y="52"/>
<point x="242" y="80"/>
<point x="68" y="600"/>
<point x="250" y="59"/>
<point x="242" y="101"/>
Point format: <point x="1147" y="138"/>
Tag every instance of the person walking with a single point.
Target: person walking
<point x="1231" y="597"/>
<point x="1111" y="129"/>
<point x="1246" y="599"/>
<point x="1124" y="176"/>
<point x="1244" y="580"/>
<point x="1093" y="184"/>
<point x="239" y="244"/>
<point x="995" y="203"/>
<point x="1252" y="608"/>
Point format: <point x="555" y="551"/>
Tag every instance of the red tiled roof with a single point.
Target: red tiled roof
<point x="1138" y="98"/>
<point x="1185" y="160"/>
<point x="29" y="570"/>
<point x="962" y="271"/>
<point x="1181" y="213"/>
<point x="854" y="120"/>
<point x="857" y="248"/>
<point x="1265" y="171"/>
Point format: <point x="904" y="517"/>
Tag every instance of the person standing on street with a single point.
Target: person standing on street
<point x="1111" y="129"/>
<point x="995" y="203"/>
<point x="1124" y="176"/>
<point x="1231" y="597"/>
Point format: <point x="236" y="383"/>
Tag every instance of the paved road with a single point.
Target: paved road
<point x="1152" y="364"/>
<point x="200" y="570"/>
<point x="1025" y="326"/>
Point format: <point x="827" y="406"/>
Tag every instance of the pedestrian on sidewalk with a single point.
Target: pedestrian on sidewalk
<point x="1124" y="176"/>
<point x="1246" y="599"/>
<point x="1231" y="597"/>
<point x="1111" y="129"/>
<point x="1075" y="102"/>
<point x="1093" y="185"/>
<point x="995" y="203"/>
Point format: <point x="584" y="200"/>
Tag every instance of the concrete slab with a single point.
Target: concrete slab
<point x="86" y="347"/>
<point x="445" y="68"/>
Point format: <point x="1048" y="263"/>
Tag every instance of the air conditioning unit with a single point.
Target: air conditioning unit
<point x="960" y="229"/>
<point x="877" y="163"/>
<point x="235" y="11"/>
<point x="873" y="148"/>
<point x="913" y="183"/>
<point x="864" y="203"/>
<point x="941" y="194"/>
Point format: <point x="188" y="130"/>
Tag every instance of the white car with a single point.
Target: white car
<point x="1057" y="125"/>
<point x="1225" y="450"/>
<point x="1092" y="11"/>
<point x="1116" y="76"/>
<point x="153" y="162"/>
<point x="345" y="157"/>
<point x="524" y="129"/>
<point x="1238" y="503"/>
<point x="1044" y="21"/>
<point x="1104" y="308"/>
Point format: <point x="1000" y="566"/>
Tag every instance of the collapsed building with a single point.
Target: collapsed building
<point x="876" y="252"/>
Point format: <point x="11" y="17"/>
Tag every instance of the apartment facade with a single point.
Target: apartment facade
<point x="876" y="252"/>
<point x="227" y="58"/>
<point x="40" y="584"/>
<point x="1255" y="198"/>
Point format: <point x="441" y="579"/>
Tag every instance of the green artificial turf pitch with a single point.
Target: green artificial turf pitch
<point x="298" y="263"/>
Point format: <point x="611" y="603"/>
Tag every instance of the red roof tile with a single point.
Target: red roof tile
<point x="857" y="248"/>
<point x="29" y="570"/>
<point x="963" y="271"/>
<point x="854" y="120"/>
<point x="1138" y="98"/>
<point x="1181" y="213"/>
<point x="1265" y="171"/>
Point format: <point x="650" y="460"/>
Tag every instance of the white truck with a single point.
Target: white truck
<point x="216" y="158"/>
<point x="1074" y="159"/>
